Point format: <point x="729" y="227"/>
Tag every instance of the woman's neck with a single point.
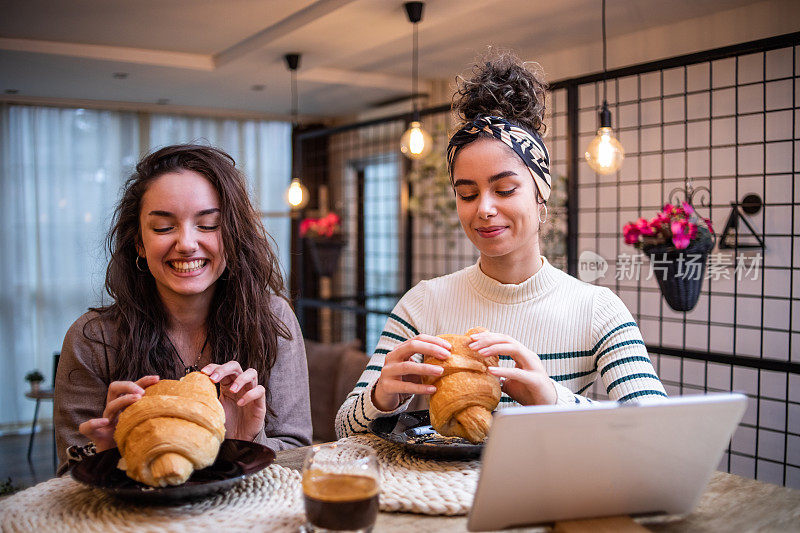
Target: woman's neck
<point x="186" y="316"/>
<point x="513" y="268"/>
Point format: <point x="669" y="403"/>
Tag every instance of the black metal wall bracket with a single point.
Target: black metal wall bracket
<point x="730" y="236"/>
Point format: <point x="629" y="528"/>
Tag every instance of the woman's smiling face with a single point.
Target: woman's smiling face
<point x="181" y="240"/>
<point x="496" y="200"/>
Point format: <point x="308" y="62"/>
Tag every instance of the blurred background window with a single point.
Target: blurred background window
<point x="61" y="171"/>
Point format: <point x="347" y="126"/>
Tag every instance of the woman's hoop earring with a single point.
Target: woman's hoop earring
<point x="138" y="267"/>
<point x="545" y="215"/>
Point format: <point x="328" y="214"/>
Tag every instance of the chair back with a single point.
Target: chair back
<point x="56" y="355"/>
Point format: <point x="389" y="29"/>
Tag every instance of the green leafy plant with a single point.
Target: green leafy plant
<point x="553" y="233"/>
<point x="34" y="376"/>
<point x="432" y="196"/>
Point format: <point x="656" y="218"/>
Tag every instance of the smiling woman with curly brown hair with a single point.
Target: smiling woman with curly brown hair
<point x="196" y="286"/>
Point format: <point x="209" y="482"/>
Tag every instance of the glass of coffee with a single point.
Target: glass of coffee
<point x="341" y="482"/>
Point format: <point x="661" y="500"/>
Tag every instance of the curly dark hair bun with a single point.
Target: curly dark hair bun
<point x="501" y="85"/>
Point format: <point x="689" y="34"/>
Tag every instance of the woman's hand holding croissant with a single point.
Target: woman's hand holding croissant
<point x="399" y="376"/>
<point x="528" y="382"/>
<point x="242" y="398"/>
<point x="120" y="395"/>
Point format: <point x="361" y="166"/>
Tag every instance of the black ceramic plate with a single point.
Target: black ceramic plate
<point x="235" y="460"/>
<point x="413" y="431"/>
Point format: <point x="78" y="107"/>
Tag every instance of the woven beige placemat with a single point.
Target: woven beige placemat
<point x="416" y="484"/>
<point x="268" y="501"/>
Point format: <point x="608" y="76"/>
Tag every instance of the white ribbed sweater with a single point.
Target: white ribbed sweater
<point x="580" y="331"/>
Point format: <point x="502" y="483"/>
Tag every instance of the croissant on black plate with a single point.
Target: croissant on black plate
<point x="175" y="428"/>
<point x="466" y="394"/>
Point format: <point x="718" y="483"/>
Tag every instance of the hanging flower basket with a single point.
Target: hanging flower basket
<point x="324" y="242"/>
<point x="325" y="254"/>
<point x="680" y="273"/>
<point x="678" y="242"/>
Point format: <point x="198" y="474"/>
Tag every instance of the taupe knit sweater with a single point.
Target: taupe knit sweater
<point x="85" y="371"/>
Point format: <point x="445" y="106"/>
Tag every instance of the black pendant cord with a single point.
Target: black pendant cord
<point x="605" y="66"/>
<point x="414" y="13"/>
<point x="293" y="62"/>
<point x="294" y="120"/>
<point x="295" y="98"/>
<point x="194" y="367"/>
<point x="605" y="114"/>
<point x="415" y="72"/>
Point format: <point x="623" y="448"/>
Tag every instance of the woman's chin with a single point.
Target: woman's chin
<point x="494" y="252"/>
<point x="191" y="287"/>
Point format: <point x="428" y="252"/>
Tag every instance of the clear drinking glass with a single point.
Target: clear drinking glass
<point x="341" y="483"/>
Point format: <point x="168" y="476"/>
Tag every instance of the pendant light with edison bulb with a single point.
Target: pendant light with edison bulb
<point x="605" y="153"/>
<point x="415" y="143"/>
<point x="297" y="194"/>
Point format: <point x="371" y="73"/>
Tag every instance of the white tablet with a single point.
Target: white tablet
<point x="549" y="463"/>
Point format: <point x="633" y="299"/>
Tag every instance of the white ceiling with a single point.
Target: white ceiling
<point x="210" y="53"/>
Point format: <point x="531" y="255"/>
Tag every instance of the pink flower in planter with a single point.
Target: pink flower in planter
<point x="675" y="225"/>
<point x="326" y="226"/>
<point x="631" y="233"/>
<point x="661" y="218"/>
<point x="643" y="225"/>
<point x="680" y="237"/>
<point x="692" y="230"/>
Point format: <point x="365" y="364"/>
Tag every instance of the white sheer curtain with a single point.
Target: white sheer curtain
<point x="60" y="177"/>
<point x="262" y="151"/>
<point x="61" y="170"/>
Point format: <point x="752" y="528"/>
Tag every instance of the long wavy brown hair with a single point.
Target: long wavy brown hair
<point x="240" y="324"/>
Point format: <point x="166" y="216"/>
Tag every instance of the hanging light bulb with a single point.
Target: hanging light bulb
<point x="605" y="153"/>
<point x="415" y="143"/>
<point x="297" y="195"/>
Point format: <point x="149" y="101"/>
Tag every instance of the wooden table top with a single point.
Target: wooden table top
<point x="41" y="394"/>
<point x="730" y="503"/>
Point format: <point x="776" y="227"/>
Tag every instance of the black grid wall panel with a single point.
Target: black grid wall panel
<point x="439" y="244"/>
<point x="366" y="184"/>
<point x="553" y="233"/>
<point x="731" y="125"/>
<point x="724" y="119"/>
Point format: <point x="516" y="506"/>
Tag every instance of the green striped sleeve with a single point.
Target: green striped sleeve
<point x="622" y="361"/>
<point x="629" y="377"/>
<point x="565" y="355"/>
<point x="608" y="334"/>
<point x="567" y="377"/>
<point x="615" y="346"/>
<point x="394" y="336"/>
<point x="641" y="393"/>
<point x="404" y="323"/>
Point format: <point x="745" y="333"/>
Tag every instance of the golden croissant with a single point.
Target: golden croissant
<point x="466" y="394"/>
<point x="174" y="429"/>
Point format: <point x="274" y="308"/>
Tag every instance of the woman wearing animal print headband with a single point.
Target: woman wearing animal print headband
<point x="554" y="335"/>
